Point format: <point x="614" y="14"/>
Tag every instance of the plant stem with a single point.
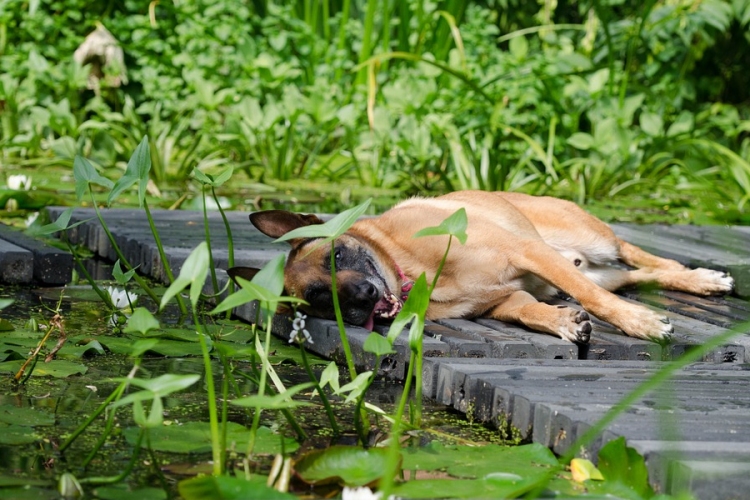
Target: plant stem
<point x="230" y="243"/>
<point x="323" y="397"/>
<point x="211" y="267"/>
<point x="339" y="318"/>
<point x="163" y="257"/>
<point x="124" y="473"/>
<point x="141" y="282"/>
<point x="211" y="390"/>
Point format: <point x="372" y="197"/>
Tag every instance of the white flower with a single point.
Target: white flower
<point x="362" y="493"/>
<point x="121" y="299"/>
<point x="19" y="182"/>
<point x="298" y="327"/>
<point x="31" y="218"/>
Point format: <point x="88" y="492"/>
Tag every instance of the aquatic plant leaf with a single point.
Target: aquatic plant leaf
<point x="61" y="223"/>
<point x="164" y="384"/>
<point x="584" y="470"/>
<point x="195" y="437"/>
<point x="121" y="277"/>
<point x="193" y="274"/>
<point x="123" y="492"/>
<point x="510" y="486"/>
<point x="6" y="326"/>
<point x="280" y="401"/>
<point x="25" y="416"/>
<point x="229" y="488"/>
<point x="5" y="303"/>
<point x="80" y="349"/>
<point x="414" y="311"/>
<point x="330" y="376"/>
<point x="348" y="465"/>
<point x="15" y="435"/>
<point x="137" y="170"/>
<point x="356" y="387"/>
<point x="621" y="463"/>
<point x="58" y="368"/>
<point x="377" y="344"/>
<point x="480" y="461"/>
<point x="454" y="225"/>
<point x="329" y="230"/>
<point x="141" y="321"/>
<point x="213" y="180"/>
<point x="84" y="174"/>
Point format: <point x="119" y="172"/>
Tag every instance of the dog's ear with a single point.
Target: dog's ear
<point x="247" y="273"/>
<point x="276" y="223"/>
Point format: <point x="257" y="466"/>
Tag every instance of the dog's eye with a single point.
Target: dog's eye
<point x="337" y="255"/>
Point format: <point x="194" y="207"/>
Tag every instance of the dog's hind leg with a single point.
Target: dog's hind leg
<point x="561" y="321"/>
<point x="670" y="274"/>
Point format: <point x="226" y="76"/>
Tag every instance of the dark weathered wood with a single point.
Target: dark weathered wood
<point x="16" y="263"/>
<point x="52" y="266"/>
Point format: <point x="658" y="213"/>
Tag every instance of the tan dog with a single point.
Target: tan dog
<point x="520" y="249"/>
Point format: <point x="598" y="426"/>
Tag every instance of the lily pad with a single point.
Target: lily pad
<point x="58" y="368"/>
<point x="229" y="488"/>
<point x="349" y="465"/>
<point x="124" y="493"/>
<point x="480" y="461"/>
<point x="16" y="434"/>
<point x="25" y="416"/>
<point x="195" y="437"/>
<point x="489" y="487"/>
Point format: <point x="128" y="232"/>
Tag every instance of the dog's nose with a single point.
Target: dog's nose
<point x="368" y="290"/>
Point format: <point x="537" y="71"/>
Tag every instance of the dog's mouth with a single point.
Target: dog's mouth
<point x="389" y="304"/>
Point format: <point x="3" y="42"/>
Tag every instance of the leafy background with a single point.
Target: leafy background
<point x="605" y="102"/>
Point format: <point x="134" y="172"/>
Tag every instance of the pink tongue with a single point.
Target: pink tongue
<point x="370" y="323"/>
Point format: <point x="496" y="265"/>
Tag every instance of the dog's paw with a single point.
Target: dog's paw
<point x="710" y="282"/>
<point x="643" y="323"/>
<point x="576" y="327"/>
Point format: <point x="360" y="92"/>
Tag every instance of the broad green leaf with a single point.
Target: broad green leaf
<point x="230" y="488"/>
<point x="682" y="125"/>
<point x="356" y="387"/>
<point x="15" y="435"/>
<point x="60" y="224"/>
<point x="497" y="486"/>
<point x="331" y="229"/>
<point x="518" y="47"/>
<point x="5" y="303"/>
<point x="25" y="416"/>
<point x="414" y="310"/>
<point x="481" y="461"/>
<point x="378" y="345"/>
<point x="623" y="464"/>
<point x="250" y="291"/>
<point x="330" y="376"/>
<point x="141" y="321"/>
<point x="581" y="140"/>
<point x="213" y="180"/>
<point x="195" y="437"/>
<point x="141" y="346"/>
<point x="349" y="465"/>
<point x="277" y="402"/>
<point x="193" y="274"/>
<point x="84" y="174"/>
<point x="57" y="368"/>
<point x="123" y="492"/>
<point x="164" y="384"/>
<point x="652" y="124"/>
<point x="454" y="225"/>
<point x="137" y="170"/>
<point x="121" y="277"/>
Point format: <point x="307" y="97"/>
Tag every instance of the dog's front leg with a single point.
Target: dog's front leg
<point x="546" y="263"/>
<point x="561" y="321"/>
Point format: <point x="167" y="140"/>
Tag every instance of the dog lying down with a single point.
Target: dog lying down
<point x="520" y="250"/>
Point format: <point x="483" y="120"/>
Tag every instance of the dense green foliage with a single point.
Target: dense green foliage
<point x="586" y="100"/>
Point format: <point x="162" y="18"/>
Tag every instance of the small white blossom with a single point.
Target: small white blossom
<point x="31" y="218"/>
<point x="19" y="182"/>
<point x="362" y="493"/>
<point x="298" y="328"/>
<point x="121" y="299"/>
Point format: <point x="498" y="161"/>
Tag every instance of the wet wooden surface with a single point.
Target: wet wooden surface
<point x="694" y="431"/>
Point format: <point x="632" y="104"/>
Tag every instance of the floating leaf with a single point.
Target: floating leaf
<point x="511" y="486"/>
<point x="623" y="464"/>
<point x="58" y="368"/>
<point x="349" y="465"/>
<point x="25" y="416"/>
<point x="229" y="488"/>
<point x="195" y="437"/>
<point x="17" y="434"/>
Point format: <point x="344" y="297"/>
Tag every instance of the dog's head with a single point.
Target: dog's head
<point x="368" y="283"/>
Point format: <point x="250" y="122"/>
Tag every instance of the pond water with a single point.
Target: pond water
<point x="38" y="416"/>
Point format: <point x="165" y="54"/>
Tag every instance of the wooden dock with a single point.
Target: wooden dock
<point x="694" y="431"/>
